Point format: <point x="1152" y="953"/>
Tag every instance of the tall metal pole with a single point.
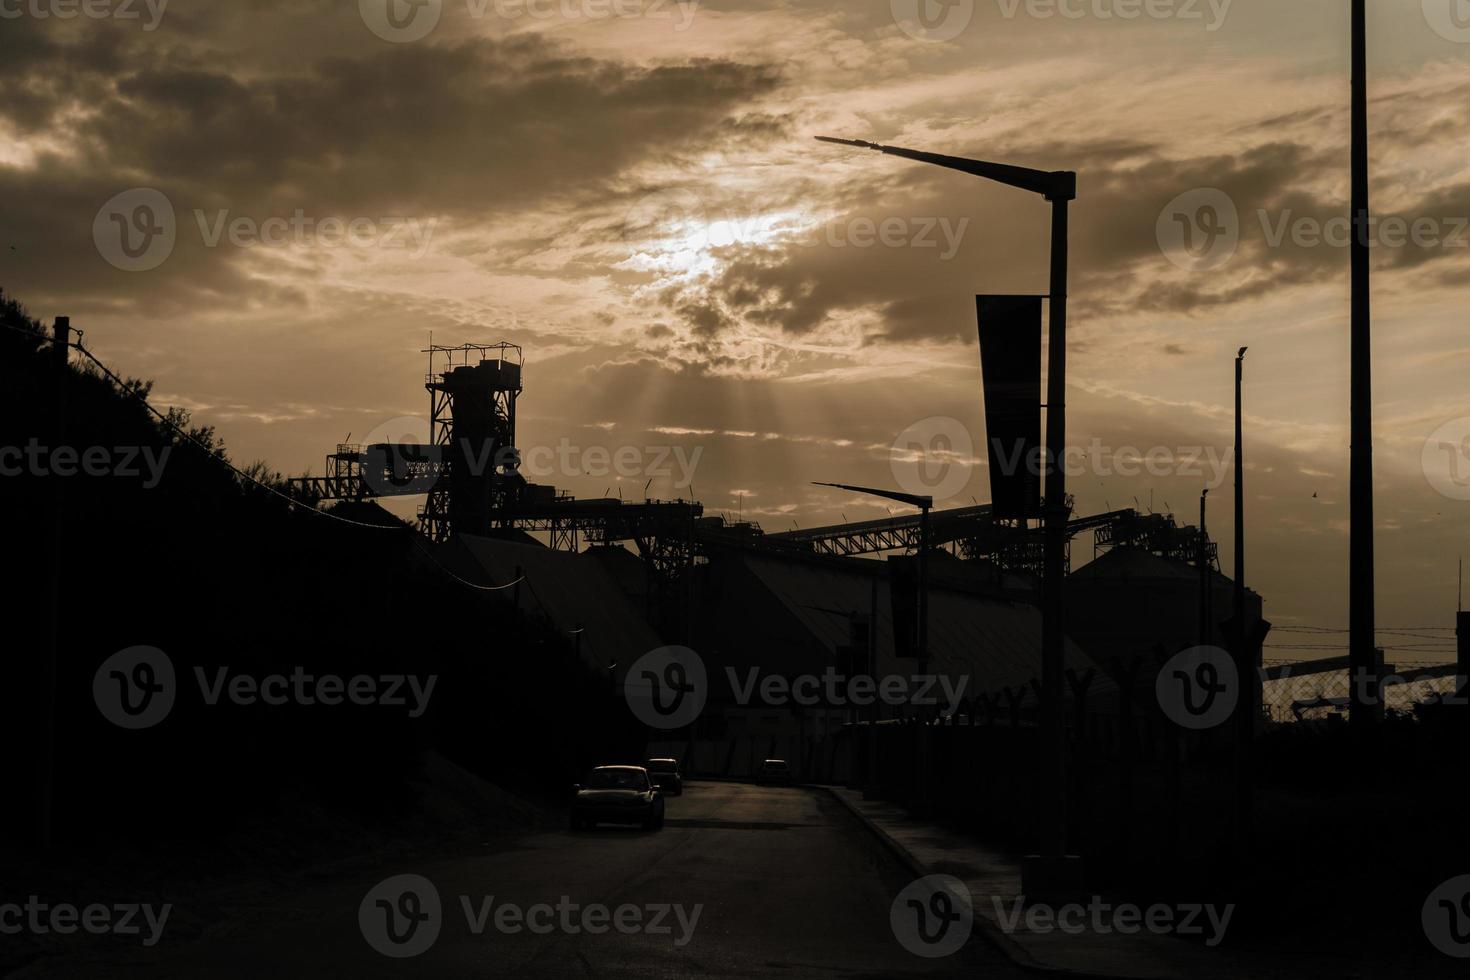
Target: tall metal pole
<point x="1239" y="500"/>
<point x="1365" y="704"/>
<point x="1206" y="628"/>
<point x="923" y="588"/>
<point x="1244" y="640"/>
<point x="1050" y="873"/>
<point x="870" y="786"/>
<point x="1462" y="659"/>
<point x="1053" y="606"/>
<point x="51" y="617"/>
<point x="921" y="712"/>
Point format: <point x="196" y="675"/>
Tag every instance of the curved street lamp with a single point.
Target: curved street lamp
<point x="1053" y="870"/>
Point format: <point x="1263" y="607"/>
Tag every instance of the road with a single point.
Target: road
<point x="758" y="881"/>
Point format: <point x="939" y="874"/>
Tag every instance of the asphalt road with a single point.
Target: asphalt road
<point x="751" y="881"/>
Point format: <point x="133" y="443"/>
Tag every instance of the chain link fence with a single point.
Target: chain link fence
<point x="1302" y="691"/>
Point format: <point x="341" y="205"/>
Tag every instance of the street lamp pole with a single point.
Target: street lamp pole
<point x="921" y="761"/>
<point x="1059" y="188"/>
<point x="924" y="503"/>
<point x="1244" y="637"/>
<point x="1053" y="610"/>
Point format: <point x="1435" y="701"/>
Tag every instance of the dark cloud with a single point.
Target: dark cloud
<point x="441" y="129"/>
<point x="1118" y="266"/>
<point x="467" y="129"/>
<point x="979" y="238"/>
<point x="539" y="145"/>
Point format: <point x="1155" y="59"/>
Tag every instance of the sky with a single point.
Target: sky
<point x="270" y="208"/>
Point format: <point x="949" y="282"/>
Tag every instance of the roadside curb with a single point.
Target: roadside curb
<point x="984" y="925"/>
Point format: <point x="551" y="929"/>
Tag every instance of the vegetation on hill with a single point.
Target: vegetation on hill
<point x="218" y="572"/>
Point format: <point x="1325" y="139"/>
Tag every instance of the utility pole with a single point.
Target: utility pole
<point x="51" y="619"/>
<point x="1366" y="706"/>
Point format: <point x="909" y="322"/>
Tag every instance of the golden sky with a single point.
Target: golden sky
<point x="629" y="190"/>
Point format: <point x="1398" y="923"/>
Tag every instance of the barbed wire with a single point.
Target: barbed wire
<point x="1299" y="696"/>
<point x="33" y="334"/>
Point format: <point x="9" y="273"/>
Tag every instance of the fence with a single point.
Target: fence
<point x="1151" y="805"/>
<point x="1302" y="691"/>
<point x="1148" y="804"/>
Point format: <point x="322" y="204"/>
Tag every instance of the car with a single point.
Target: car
<point x="617" y="794"/>
<point x="774" y="771"/>
<point x="665" y="775"/>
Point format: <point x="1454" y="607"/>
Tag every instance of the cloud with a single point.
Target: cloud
<point x="472" y="130"/>
<point x="644" y="210"/>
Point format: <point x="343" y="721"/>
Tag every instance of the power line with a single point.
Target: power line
<point x="464" y="581"/>
<point x="291" y="501"/>
<point x="127" y="389"/>
<point x="1336" y="629"/>
<point x="1343" y="646"/>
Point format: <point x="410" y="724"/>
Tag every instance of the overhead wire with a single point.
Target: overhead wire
<point x="293" y="502"/>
